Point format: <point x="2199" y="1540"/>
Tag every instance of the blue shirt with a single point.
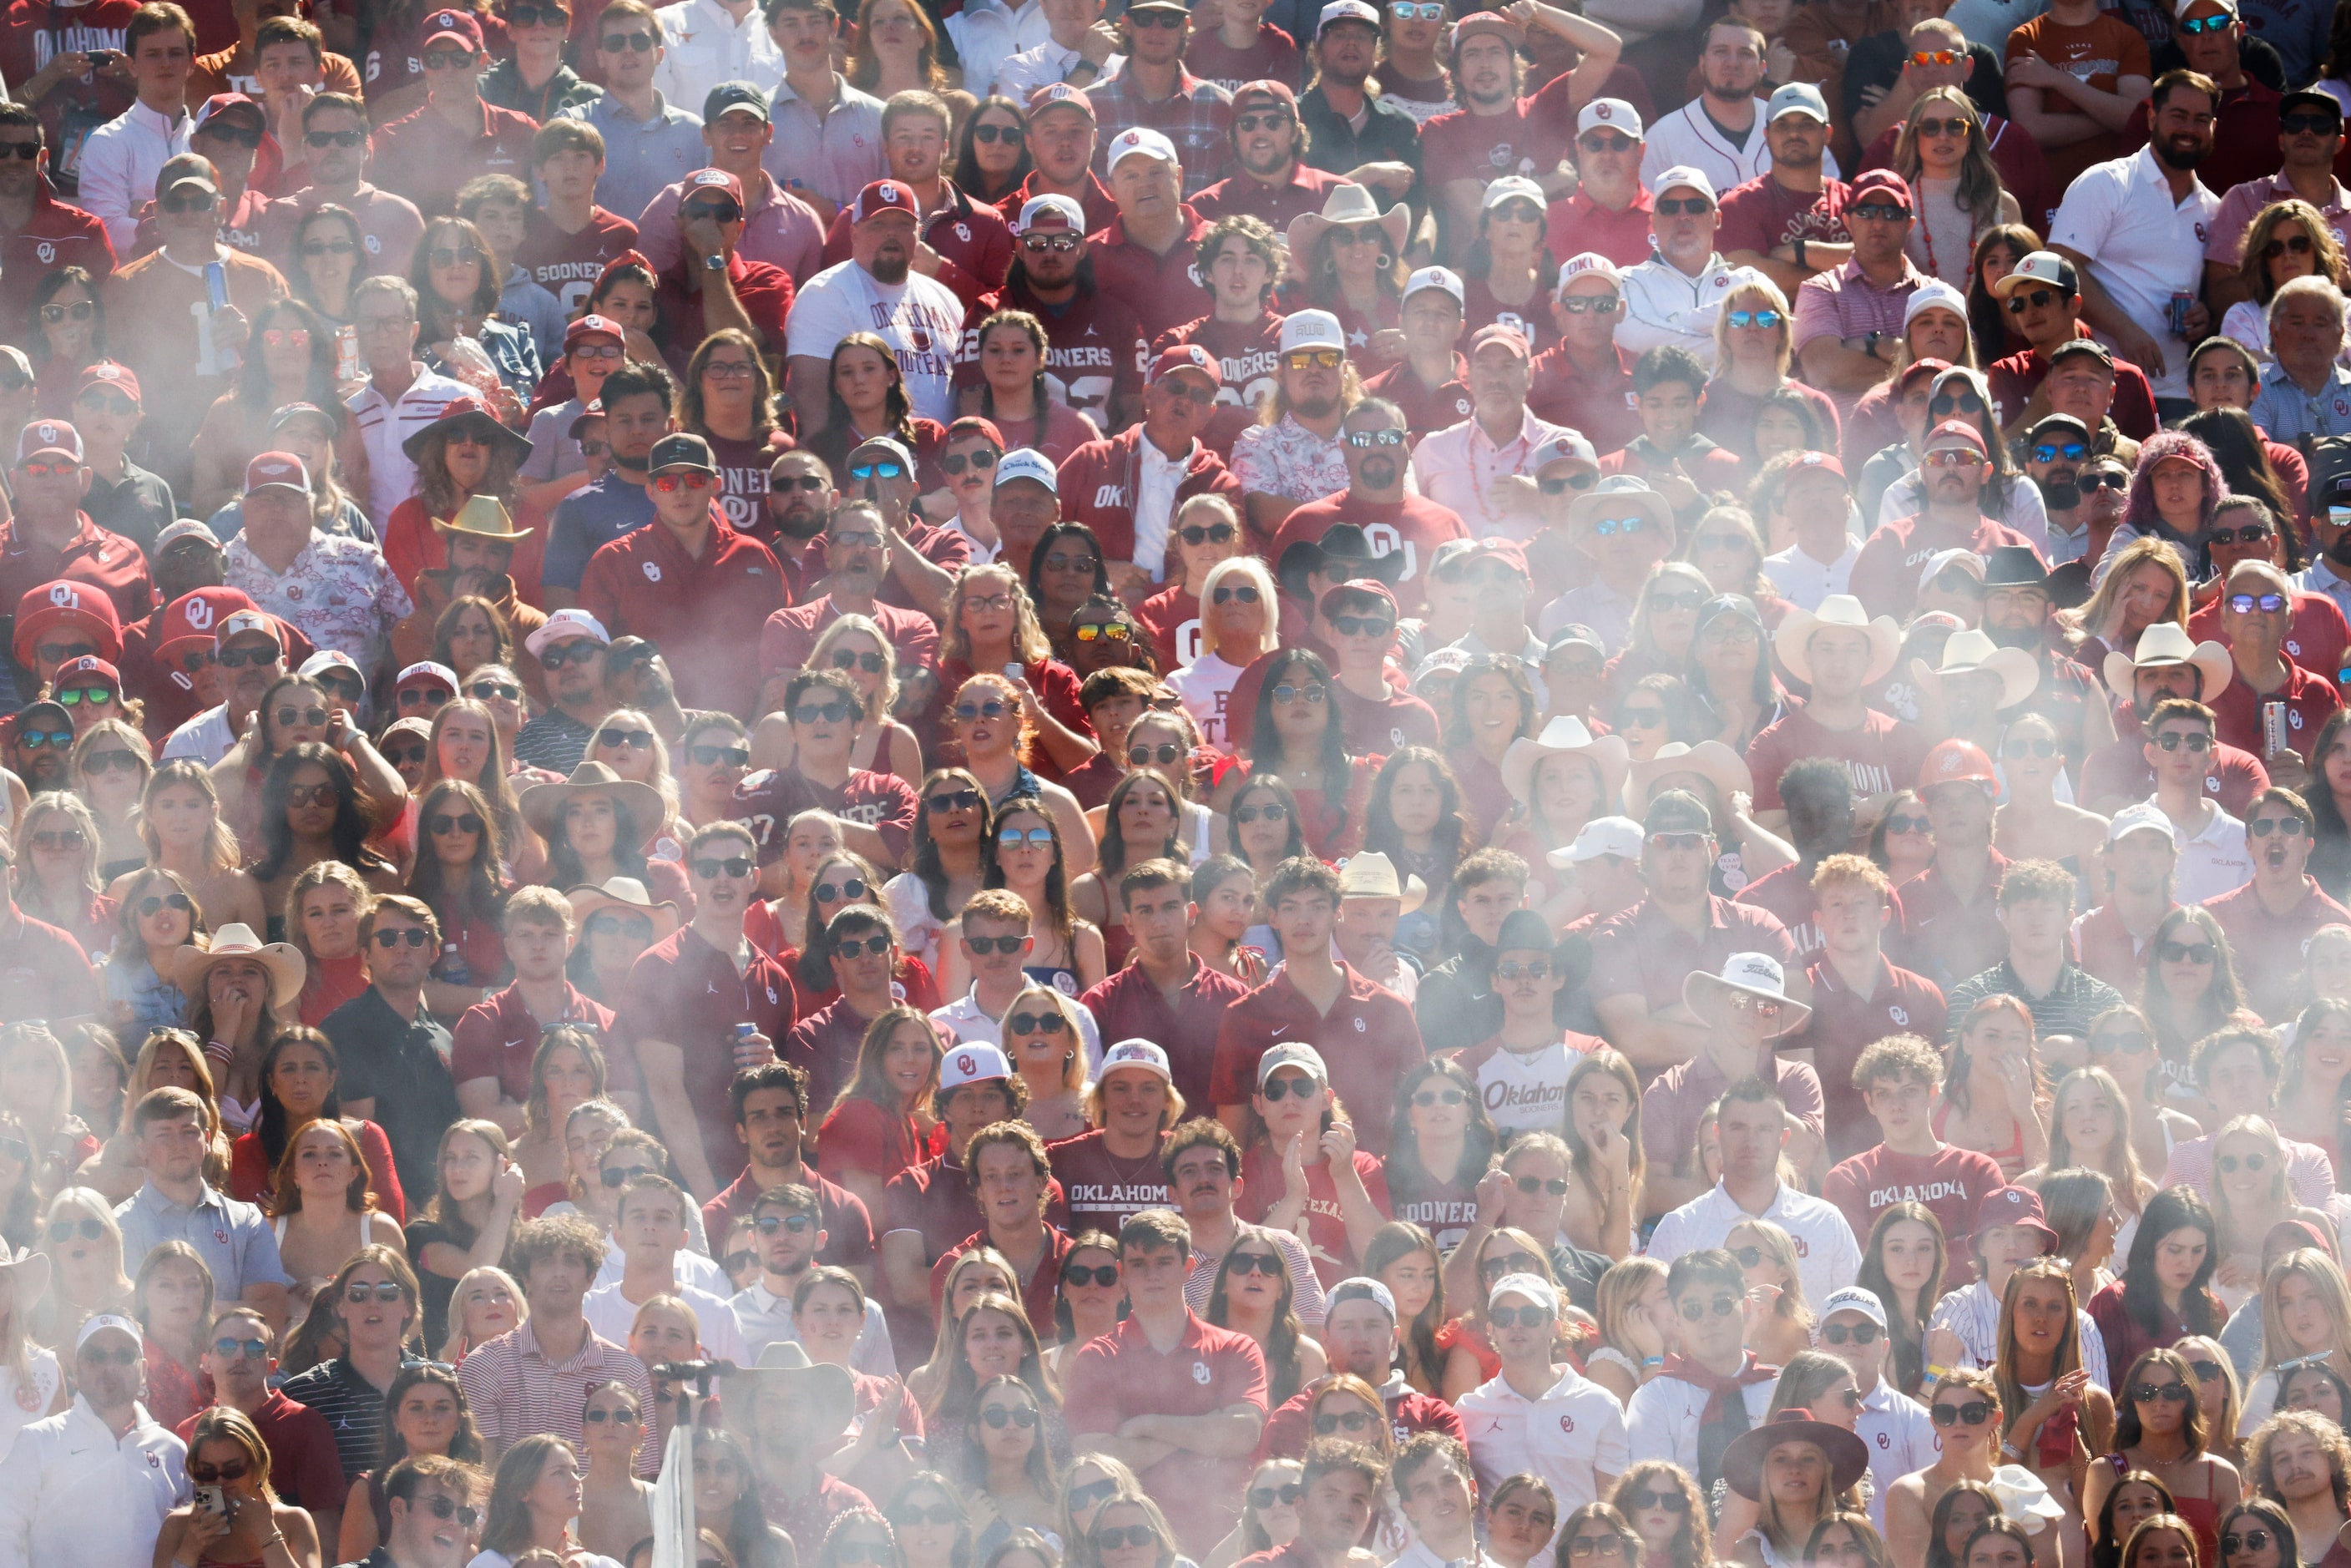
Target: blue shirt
<point x="2289" y="413"/>
<point x="523" y="303"/>
<point x="642" y="158"/>
<point x="234" y="1241"/>
<point x="588" y="519"/>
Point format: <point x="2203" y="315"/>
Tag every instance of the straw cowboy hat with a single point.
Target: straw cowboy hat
<point x="1841" y="612"/>
<point x="2166" y="643"/>
<point x="1347" y="205"/>
<point x="543" y="804"/>
<point x="482" y="518"/>
<point x="1372" y="875"/>
<point x="1743" y="974"/>
<point x="283" y="960"/>
<point x="1709" y="759"/>
<point x="1968" y="651"/>
<point x="587" y="901"/>
<point x="822" y="1396"/>
<point x="1564" y="736"/>
<point x="471" y="412"/>
<point x="1742" y="1462"/>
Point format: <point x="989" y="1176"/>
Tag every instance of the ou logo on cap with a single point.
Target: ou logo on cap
<point x="48" y="430"/>
<point x="200" y="615"/>
<point x="965" y="1065"/>
<point x="64" y="597"/>
<point x="889" y="192"/>
<point x="1601" y="111"/>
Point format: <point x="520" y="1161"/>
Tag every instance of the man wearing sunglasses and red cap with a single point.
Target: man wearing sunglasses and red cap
<point x="1128" y="486"/>
<point x="425" y="155"/>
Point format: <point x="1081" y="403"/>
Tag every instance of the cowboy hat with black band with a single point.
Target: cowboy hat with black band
<point x="543" y="805"/>
<point x="469" y="413"/>
<point x="1344" y="551"/>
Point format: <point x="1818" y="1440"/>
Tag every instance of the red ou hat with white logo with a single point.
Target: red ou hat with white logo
<point x="90" y="667"/>
<point x="1957" y="762"/>
<point x="975" y="1063"/>
<point x="277" y="471"/>
<point x="64" y="604"/>
<point x="712" y="180"/>
<point x="458" y="25"/>
<point x="1184" y="357"/>
<point x="194" y="619"/>
<point x="49" y="438"/>
<point x="2014" y="1205"/>
<point x="884" y="196"/>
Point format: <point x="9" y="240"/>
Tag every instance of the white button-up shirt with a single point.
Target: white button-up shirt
<point x="1972" y="1312"/>
<point x="2143" y="247"/>
<point x="1458" y="467"/>
<point x="765" y="1318"/>
<point x="73" y="1495"/>
<point x="703" y="46"/>
<point x="1661" y="1421"/>
<point x="1827" y="1256"/>
<point x="1804" y="581"/>
<point x="1043" y="64"/>
<point x="1663" y="304"/>
<point x="612" y="1315"/>
<point x="1901" y="1438"/>
<point x="987" y="33"/>
<point x="1571" y="1436"/>
<point x="383" y="424"/>
<point x="118" y="165"/>
<point x="1154" y="504"/>
<point x="2213" y="858"/>
<point x="973" y="1026"/>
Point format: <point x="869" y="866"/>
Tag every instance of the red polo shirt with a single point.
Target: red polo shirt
<point x="56" y="235"/>
<point x="1409" y="1413"/>
<point x="1578" y="224"/>
<point x="1368" y="1041"/>
<point x="1425" y="408"/>
<point x="425" y="158"/>
<point x="704" y="615"/>
<point x="2272" y="950"/>
<point x="2315" y="638"/>
<point x="1603" y="407"/>
<point x="1130" y="1005"/>
<point x="106" y="561"/>
<point x="1641" y="952"/>
<point x="762" y="289"/>
<point x="1210" y="1368"/>
<point x="1165" y="290"/>
<point x="2237" y="710"/>
<point x="685" y="991"/>
<point x="498" y="1038"/>
<point x="1947" y="939"/>
<point x="826" y="1043"/>
<point x="1100" y="206"/>
<point x="1844" y="1023"/>
<point x="849" y="1228"/>
<point x="1303" y="192"/>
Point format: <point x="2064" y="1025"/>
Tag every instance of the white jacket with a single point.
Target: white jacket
<point x="118" y="165"/>
<point x="73" y="1495"/>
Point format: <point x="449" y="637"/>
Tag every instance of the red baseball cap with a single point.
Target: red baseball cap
<point x="276" y="470"/>
<point x="1805" y="463"/>
<point x="1881" y="184"/>
<point x="1278" y="91"/>
<point x="883" y="197"/>
<point x="221" y="103"/>
<point x="973" y="424"/>
<point x="1062" y="95"/>
<point x="67" y="604"/>
<point x="591" y="325"/>
<point x="2014" y="1205"/>
<point x="461" y="26"/>
<point x="1957" y="431"/>
<point x="1957" y="762"/>
<point x="88" y="667"/>
<point x="711" y="180"/>
<point x="107" y="374"/>
<point x="1929" y="366"/>
<point x="1185" y="357"/>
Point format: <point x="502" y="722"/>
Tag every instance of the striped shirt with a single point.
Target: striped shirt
<point x="515" y="1391"/>
<point x="352" y="1407"/>
<point x="384" y="423"/>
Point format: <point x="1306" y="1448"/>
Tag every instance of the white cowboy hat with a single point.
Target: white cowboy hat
<point x="28" y="1271"/>
<point x="823" y="1393"/>
<point x="1971" y="651"/>
<point x="1371" y="874"/>
<point x="1709" y="759"/>
<point x="1747" y="974"/>
<point x="1564" y="736"/>
<point x="2165" y="643"/>
<point x="542" y="804"/>
<point x="588" y="900"/>
<point x="1347" y="205"/>
<point x="1838" y="612"/>
<point x="283" y="960"/>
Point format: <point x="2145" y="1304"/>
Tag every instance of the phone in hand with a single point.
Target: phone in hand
<point x="212" y="1500"/>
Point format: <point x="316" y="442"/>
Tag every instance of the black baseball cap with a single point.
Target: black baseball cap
<point x="733" y="95"/>
<point x="2310" y="98"/>
<point x="682" y="451"/>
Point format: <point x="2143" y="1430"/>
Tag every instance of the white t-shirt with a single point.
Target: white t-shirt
<point x="921" y="320"/>
<point x="1206" y="684"/>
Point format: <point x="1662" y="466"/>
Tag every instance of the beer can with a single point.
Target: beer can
<point x="2273" y="728"/>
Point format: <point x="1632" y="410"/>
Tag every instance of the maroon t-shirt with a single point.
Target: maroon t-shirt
<point x="1844" y="1023"/>
<point x="1882" y="756"/>
<point x="2237" y="711"/>
<point x="1951" y="1182"/>
<point x="743" y="476"/>
<point x="1603" y="407"/>
<point x="1369" y="1039"/>
<point x="687" y="992"/>
<point x="1427" y="407"/>
<point x="1103" y="1191"/>
<point x="1788" y="893"/>
<point x="567" y="266"/>
<point x="1384" y="728"/>
<point x="1246" y="355"/>
<point x="1271" y="55"/>
<point x="1763" y="214"/>
<point x="1444" y="1209"/>
<point x="882" y="801"/>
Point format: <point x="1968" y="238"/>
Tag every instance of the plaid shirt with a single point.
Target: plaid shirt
<point x="515" y="1391"/>
<point x="1197" y="117"/>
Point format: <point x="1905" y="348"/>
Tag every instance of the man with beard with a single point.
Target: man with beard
<point x="39" y="738"/>
<point x="1154" y="91"/>
<point x="2016" y="615"/>
<point x="924" y="560"/>
<point x="2208" y="38"/>
<point x="1344" y="129"/>
<point x="2051" y="454"/>
<point x="800" y="499"/>
<point x="1128" y="487"/>
<point x="1851" y="320"/>
<point x="2043" y="297"/>
<point x="1885" y="577"/>
<point x="1496" y="131"/>
<point x="1788" y="223"/>
<point x="1395" y="521"/>
<point x="1270" y="181"/>
<point x="2310" y="137"/>
<point x="1095" y="347"/>
<point x="2167" y="664"/>
<point x="1238" y="259"/>
<point x="1149" y="253"/>
<point x="972" y="242"/>
<point x="1298" y="457"/>
<point x="637" y="400"/>
<point x="480" y="541"/>
<point x="2329" y="573"/>
<point x="1063" y="134"/>
<point x="876" y="290"/>
<point x="2304" y="393"/>
<point x="857" y="552"/>
<point x="1608" y="212"/>
<point x="1719" y="132"/>
<point x="1675" y="295"/>
<point x="34" y="224"/>
<point x="2132" y="229"/>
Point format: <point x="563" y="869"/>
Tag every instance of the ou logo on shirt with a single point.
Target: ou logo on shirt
<point x="1200" y="1374"/>
<point x="1899" y="1015"/>
<point x="1567" y="1423"/>
<point x="1385" y="539"/>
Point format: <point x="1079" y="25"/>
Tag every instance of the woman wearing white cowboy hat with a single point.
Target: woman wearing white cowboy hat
<point x="1560" y="779"/>
<point x="1719" y="778"/>
<point x="1348" y="260"/>
<point x="233" y="987"/>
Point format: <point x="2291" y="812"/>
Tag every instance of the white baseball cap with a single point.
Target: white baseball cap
<point x="105" y="1321"/>
<point x="1141" y="139"/>
<point x="1346" y="11"/>
<point x="1305" y="329"/>
<point x="1292" y="1053"/>
<point x="973" y="1064"/>
<point x="562" y="626"/>
<point x="1934" y="295"/>
<point x="1683" y="174"/>
<point x="1071" y="212"/>
<point x="1589" y="262"/>
<point x="1854" y="1298"/>
<point x="1619" y="836"/>
<point x="1139" y="1054"/>
<point x="1443" y="278"/>
<point x="1026" y="463"/>
<point x="2144" y="816"/>
<point x="1534" y="1287"/>
<point x="1797" y="98"/>
<point x="1613" y="112"/>
<point x="1513" y="187"/>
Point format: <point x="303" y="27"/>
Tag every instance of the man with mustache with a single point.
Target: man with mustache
<point x="1371" y="441"/>
<point x="876" y="290"/>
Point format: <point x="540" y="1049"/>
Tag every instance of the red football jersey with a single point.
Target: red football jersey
<point x="1247" y="351"/>
<point x="567" y="266"/>
<point x="1096" y="348"/>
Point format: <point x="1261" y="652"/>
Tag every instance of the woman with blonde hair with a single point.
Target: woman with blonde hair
<point x="1754" y="335"/>
<point x="168" y="1057"/>
<point x="2090" y="1127"/>
<point x="1635" y="1325"/>
<point x="322" y="1202"/>
<point x="2144" y="581"/>
<point x="109" y="767"/>
<point x="171" y="1297"/>
<point x="486" y="1303"/>
<point x="1955" y="186"/>
<point x="323" y="911"/>
<point x="37" y="1085"/>
<point x="475" y="1203"/>
<point x="980" y="1271"/>
<point x="31" y="1382"/>
<point x="628" y="743"/>
<point x="157" y="917"/>
<point x="991" y="623"/>
<point x="1268" y="1518"/>
<point x="226" y="1454"/>
<point x="84" y="1245"/>
<point x="2250" y="1195"/>
<point x="1043" y="1040"/>
<point x="2217" y="1393"/>
<point x="2286" y="240"/>
<point x="179" y="824"/>
<point x="1767" y="1254"/>
<point x="1994" y="1098"/>
<point x="856" y="647"/>
<point x="56" y="881"/>
<point x="1240" y="622"/>
<point x="2305" y="1313"/>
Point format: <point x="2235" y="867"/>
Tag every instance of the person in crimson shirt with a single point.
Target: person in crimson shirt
<point x="1371" y="442"/>
<point x="2317" y="635"/>
<point x="860" y="953"/>
<point x="38" y="232"/>
<point x="1746" y="1010"/>
<point x="1496" y="131"/>
<point x="1885" y="574"/>
<point x="695" y="298"/>
<point x="568" y="242"/>
<point x="2050" y="313"/>
<point x="1095" y="344"/>
<point x="1062" y="131"/>
<point x="1840" y="651"/>
<point x="1150" y="253"/>
<point x="2166" y="664"/>
<point x="971" y="239"/>
<point x="856" y="552"/>
<point x="1167" y="992"/>
<point x="1271" y="180"/>
<point x="1129" y="487"/>
<point x="1792" y="206"/>
<point x="1859" y="997"/>
<point x="44" y="49"/>
<point x="1342" y="1488"/>
<point x="685" y="999"/>
<point x="1357" y="621"/>
<point x="425" y="155"/>
<point x="1609" y="211"/>
<point x="876" y="810"/>
<point x="1816" y="792"/>
<point x="1585" y="381"/>
<point x="1238" y="259"/>
<point x="1316" y="998"/>
<point x="1007" y="1171"/>
<point x="1361" y="1338"/>
<point x="1896" y="1079"/>
<point x="2256" y="613"/>
<point x="688" y="582"/>
<point x="303" y="1459"/>
<point x="1951" y="924"/>
<point x="1111" y="1172"/>
<point x="493" y="1047"/>
<point x="50" y="537"/>
<point x="1180" y="1402"/>
<point x="2269" y="921"/>
<point x="1430" y="383"/>
<point x="771" y="1107"/>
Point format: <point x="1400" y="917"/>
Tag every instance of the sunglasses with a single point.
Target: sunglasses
<point x="1694" y="1310"/>
<point x="1678" y="206"/>
<point x="1662" y="1501"/>
<point x="2246" y="603"/>
<point x="1165" y="752"/>
<point x="610" y="924"/>
<point x="579" y="651"/>
<point x="1271" y="811"/>
<point x="30" y="151"/>
<point x="1937" y="57"/>
<point x="1350" y="1420"/>
<point x="1112" y="1539"/>
<point x="2174" y="740"/>
<point x="1538" y="970"/>
<point x="824" y="713"/>
<point x="66" y="1229"/>
<point x="1765" y="318"/>
<point x="359" y="1295"/>
<point x="208" y="1475"/>
<point x="231" y="1349"/>
<point x="2038" y="299"/>
<point x="2284" y="827"/>
<point x="151" y="906"/>
<point x="2206" y="24"/>
<point x="1850" y="1333"/>
<point x="1974" y="1412"/>
<point x="1002" y="1416"/>
<point x="1959" y="126"/>
<point x="2105" y="479"/>
<point x="1607" y="528"/>
<point x="1037" y="1023"/>
<point x="53" y="314"/>
<point x="1287" y="692"/>
<point x="992" y="708"/>
<point x="1560" y="486"/>
<point x="1287" y="1494"/>
<point x="732" y="866"/>
<point x="2310" y="125"/>
<point x="2229" y="1165"/>
<point x="111" y="761"/>
<point x="2172" y="1393"/>
<point x="989" y="135"/>
<point x="953" y="800"/>
<point x="484" y="691"/>
<point x="1428" y="1097"/>
<point x="1031" y="838"/>
<point x="840" y="892"/>
<point x="621" y="1175"/>
<point x="724" y="210"/>
<point x="602" y="1415"/>
<point x="416" y="696"/>
<point x="2127" y="1044"/>
<point x="445" y="823"/>
<point x="2071" y="450"/>
<point x="2188" y="952"/>
<point x="982" y="945"/>
<point x="1277" y="1087"/>
<point x="796" y="1224"/>
<point x="448" y="60"/>
<point x="311" y="715"/>
<point x="1555" y="1185"/>
<point x="1602" y="141"/>
<point x="977" y="461"/>
<point x="633" y="43"/>
<point x="2025" y="745"/>
<point x="1316" y="358"/>
<point x="1594" y="304"/>
<point x="2233" y="1542"/>
<point x="887" y="469"/>
<point x="323" y="139"/>
<point x="415" y="936"/>
<point x="1105" y="1275"/>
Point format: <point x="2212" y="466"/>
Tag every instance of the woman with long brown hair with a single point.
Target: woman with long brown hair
<point x="1013" y="396"/>
<point x="866" y="393"/>
<point x="323" y="1203"/>
<point x="1348" y="260"/>
<point x="2287" y="239"/>
<point x="226" y="1453"/>
<point x="458" y="877"/>
<point x="463" y="454"/>
<point x="881" y="1122"/>
<point x="897" y="51"/>
<point x="1955" y="185"/>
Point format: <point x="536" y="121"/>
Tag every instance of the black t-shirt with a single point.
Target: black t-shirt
<point x="404" y="1067"/>
<point x="436" y="1290"/>
<point x="1877" y="61"/>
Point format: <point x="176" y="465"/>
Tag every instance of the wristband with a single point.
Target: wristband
<point x="1649" y="1361"/>
<point x="1800" y="254"/>
<point x="1938" y="1373"/>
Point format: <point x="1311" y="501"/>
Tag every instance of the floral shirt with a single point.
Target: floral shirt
<point x="1289" y="460"/>
<point x="339" y="591"/>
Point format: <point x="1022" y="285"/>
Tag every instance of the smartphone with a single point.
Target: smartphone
<point x="212" y="1500"/>
<point x="1015" y="673"/>
<point x="99" y="58"/>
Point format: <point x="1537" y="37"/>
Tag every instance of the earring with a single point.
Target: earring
<point x="1385" y="261"/>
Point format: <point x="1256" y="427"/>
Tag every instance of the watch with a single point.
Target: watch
<point x="1869" y="344"/>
